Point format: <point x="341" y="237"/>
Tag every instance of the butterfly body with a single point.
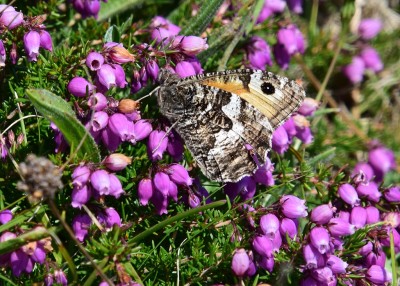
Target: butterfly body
<point x="217" y="114"/>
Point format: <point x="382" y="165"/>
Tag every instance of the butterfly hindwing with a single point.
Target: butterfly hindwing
<point x="217" y="114"/>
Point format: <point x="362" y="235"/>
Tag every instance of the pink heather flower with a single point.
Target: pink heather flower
<point x="336" y="264"/>
<point x="295" y="6"/>
<point x="80" y="176"/>
<point x="348" y="194"/>
<point x="110" y="139"/>
<point x="11" y="18"/>
<point x="80" y="196"/>
<point x="267" y="263"/>
<point x="192" y="45"/>
<point x="116" y="189"/>
<point x="145" y="191"/>
<point x="106" y="76"/>
<point x="196" y="64"/>
<point x="99" y="120"/>
<point x="97" y="101"/>
<point x="263" y="246"/>
<point x="324" y="275"/>
<point x="287" y="39"/>
<point x="184" y="69"/>
<point x="80" y="87"/>
<point x="282" y="57"/>
<point x="258" y="53"/>
<point x="60" y="277"/>
<point x="290" y="128"/>
<point x="375" y="258"/>
<point x="288" y="227"/>
<point x="173" y="193"/>
<point x="109" y="218"/>
<point x="355" y="70"/>
<point x="157" y="144"/>
<point x="322" y="214"/>
<point x="81" y="224"/>
<point x="270" y="7"/>
<point x="302" y="126"/>
<point x="312" y="257"/>
<point x="358" y="217"/>
<point x="373" y="215"/>
<point x="179" y="175"/>
<point x="344" y="215"/>
<point x="269" y="225"/>
<point x="175" y="146"/>
<point x="20" y="262"/>
<point x="246" y="188"/>
<point x="366" y="249"/>
<point x="293" y="207"/>
<point x="392" y="194"/>
<point x="369" y="190"/>
<point x="378" y="275"/>
<point x="5" y="216"/>
<point x="152" y="69"/>
<point x="94" y="61"/>
<point x="369" y="28"/>
<point x="280" y="140"/>
<point x="319" y="238"/>
<point x="240" y="262"/>
<point x="371" y="59"/>
<point x="120" y="125"/>
<point x="13" y="54"/>
<point x="162" y="183"/>
<point x="362" y="172"/>
<point x="382" y="161"/>
<point x="163" y="29"/>
<point x="32" y="44"/>
<point x="46" y="41"/>
<point x="263" y="174"/>
<point x="2" y="54"/>
<point x="120" y="78"/>
<point x="160" y="202"/>
<point x="308" y="107"/>
<point x="338" y="227"/>
<point x="100" y="181"/>
<point x="141" y="130"/>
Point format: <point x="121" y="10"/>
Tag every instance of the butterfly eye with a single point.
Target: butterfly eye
<point x="268" y="88"/>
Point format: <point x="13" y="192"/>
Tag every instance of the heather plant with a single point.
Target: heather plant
<point x="97" y="188"/>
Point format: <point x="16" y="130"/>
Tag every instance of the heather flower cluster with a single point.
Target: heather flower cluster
<point x="35" y="35"/>
<point x="367" y="58"/>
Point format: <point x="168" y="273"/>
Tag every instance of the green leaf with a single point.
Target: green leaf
<point x="57" y="110"/>
<point x="113" y="7"/>
<point x="203" y="18"/>
<point x="112" y="35"/>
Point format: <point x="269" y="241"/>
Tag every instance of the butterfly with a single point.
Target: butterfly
<point x="218" y="114"/>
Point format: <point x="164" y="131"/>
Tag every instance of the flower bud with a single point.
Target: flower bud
<point x="141" y="130"/>
<point x="392" y="194"/>
<point x="127" y="105"/>
<point x="263" y="246"/>
<point x="120" y="55"/>
<point x="80" y="87"/>
<point x="280" y="140"/>
<point x="120" y="78"/>
<point x="152" y="69"/>
<point x="382" y="161"/>
<point x="289" y="227"/>
<point x="117" y="161"/>
<point x="192" y="45"/>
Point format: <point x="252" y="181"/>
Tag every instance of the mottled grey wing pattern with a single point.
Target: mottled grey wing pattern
<point x="216" y="114"/>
